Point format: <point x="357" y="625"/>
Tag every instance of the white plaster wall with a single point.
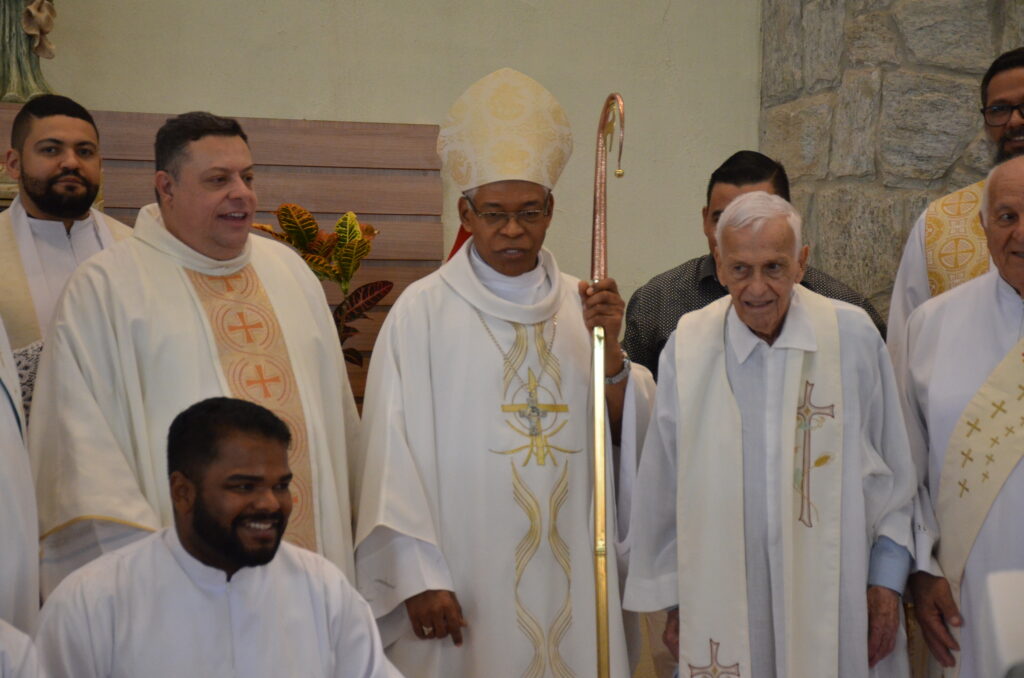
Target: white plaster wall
<point x="688" y="70"/>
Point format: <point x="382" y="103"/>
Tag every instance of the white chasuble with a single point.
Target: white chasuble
<point x="964" y="417"/>
<point x="768" y="474"/>
<point x="478" y="478"/>
<point x="144" y="330"/>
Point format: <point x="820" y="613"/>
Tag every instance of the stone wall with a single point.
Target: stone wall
<point x="872" y="106"/>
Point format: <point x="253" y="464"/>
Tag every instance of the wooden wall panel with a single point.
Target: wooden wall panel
<point x="389" y="174"/>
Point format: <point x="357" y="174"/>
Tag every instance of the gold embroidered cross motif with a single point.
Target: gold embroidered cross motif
<point x="966" y="454"/>
<point x="995" y="441"/>
<point x="963" y="487"/>
<point x="1020" y="395"/>
<point x="998" y="408"/>
<point x="535" y="415"/>
<point x="990" y="459"/>
<point x="809" y="417"/>
<point x="984" y="476"/>
<point x="973" y="425"/>
<point x="714" y="669"/>
<point x="244" y="326"/>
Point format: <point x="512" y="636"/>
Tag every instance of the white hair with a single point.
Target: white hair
<point x="753" y="210"/>
<point x="986" y="199"/>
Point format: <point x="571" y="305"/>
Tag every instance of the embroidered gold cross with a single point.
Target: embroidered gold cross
<point x="534" y="412"/>
<point x="243" y="326"/>
<point x="998" y="408"/>
<point x="974" y="427"/>
<point x="805" y="413"/>
<point x="966" y="454"/>
<point x="995" y="441"/>
<point x="990" y="459"/>
<point x="1010" y="430"/>
<point x="984" y="476"/>
<point x="714" y="669"/>
<point x="963" y="487"/>
<point x="262" y="381"/>
<point x="1021" y="388"/>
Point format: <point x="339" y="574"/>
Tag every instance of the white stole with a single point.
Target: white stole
<point x="713" y="619"/>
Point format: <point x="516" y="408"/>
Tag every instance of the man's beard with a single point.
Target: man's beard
<point x="1002" y="152"/>
<point x="226" y="541"/>
<point x="60" y="205"/>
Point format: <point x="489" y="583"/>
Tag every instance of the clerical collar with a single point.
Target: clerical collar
<point x="150" y="229"/>
<point x="797" y="331"/>
<point x="210" y="579"/>
<point x="528" y="288"/>
<point x="47" y="225"/>
<point x="459" y="275"/>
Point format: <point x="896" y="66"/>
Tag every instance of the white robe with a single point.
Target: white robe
<point x="439" y="503"/>
<point x="131" y="347"/>
<point x="17" y="654"/>
<point x="19" y="543"/>
<point x="151" y="609"/>
<point x="954" y="343"/>
<point x="877" y="483"/>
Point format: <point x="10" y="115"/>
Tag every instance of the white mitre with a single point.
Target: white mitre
<point x="506" y="126"/>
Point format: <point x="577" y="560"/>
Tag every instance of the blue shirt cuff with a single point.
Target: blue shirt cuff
<point x="890" y="565"/>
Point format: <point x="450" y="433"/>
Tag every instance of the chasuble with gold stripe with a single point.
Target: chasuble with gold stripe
<point x="478" y="477"/>
<point x="146" y="329"/>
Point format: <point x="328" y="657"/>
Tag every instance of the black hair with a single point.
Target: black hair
<point x="750" y="167"/>
<point x="1004" y="62"/>
<point x="45" y="106"/>
<point x="179" y="131"/>
<point x="192" y="442"/>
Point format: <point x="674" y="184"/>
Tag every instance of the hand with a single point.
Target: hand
<point x="603" y="307"/>
<point x="883" y="622"/>
<point x="671" y="634"/>
<point x="435" y="614"/>
<point x="934" y="609"/>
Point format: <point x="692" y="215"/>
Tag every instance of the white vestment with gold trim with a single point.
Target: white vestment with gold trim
<point x="138" y="337"/>
<point x="478" y="477"/>
<point x="955" y="341"/>
<point x="874" y="489"/>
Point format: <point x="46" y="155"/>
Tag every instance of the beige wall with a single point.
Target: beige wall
<point x="688" y="70"/>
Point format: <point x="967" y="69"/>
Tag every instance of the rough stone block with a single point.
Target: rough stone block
<point x="860" y="233"/>
<point x="953" y="34"/>
<point x="854" y="128"/>
<point x="979" y="154"/>
<point x="822" y="23"/>
<point x="871" y="39"/>
<point x="797" y="135"/>
<point x="781" y="78"/>
<point x="858" y="6"/>
<point x="926" y="122"/>
<point x="1013" y="25"/>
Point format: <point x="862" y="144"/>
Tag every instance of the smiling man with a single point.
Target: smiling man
<point x="780" y="549"/>
<point x="962" y="376"/>
<point x="191" y="306"/>
<point x="51" y="227"/>
<point x="474" y="545"/>
<point x="217" y="594"/>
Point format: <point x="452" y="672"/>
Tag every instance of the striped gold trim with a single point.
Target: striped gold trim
<point x="525" y="551"/>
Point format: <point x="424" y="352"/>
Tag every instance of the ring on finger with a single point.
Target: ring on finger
<point x="427" y="630"/>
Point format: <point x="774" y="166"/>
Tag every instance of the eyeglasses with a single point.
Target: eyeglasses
<point x="499" y="219"/>
<point x="998" y="115"/>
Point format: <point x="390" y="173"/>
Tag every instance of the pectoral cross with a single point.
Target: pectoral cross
<point x="714" y="669"/>
<point x="534" y="412"/>
<point x="805" y="413"/>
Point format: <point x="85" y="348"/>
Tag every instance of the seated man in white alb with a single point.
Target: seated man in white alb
<point x="775" y="492"/>
<point x="218" y="594"/>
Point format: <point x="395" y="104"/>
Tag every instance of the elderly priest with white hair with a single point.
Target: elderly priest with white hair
<point x="964" y="384"/>
<point x="774" y="500"/>
<point x="477" y="497"/>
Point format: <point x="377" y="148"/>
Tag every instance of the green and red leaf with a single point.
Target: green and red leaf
<point x="298" y="224"/>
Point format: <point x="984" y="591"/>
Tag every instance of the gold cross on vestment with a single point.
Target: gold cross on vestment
<point x="974" y="427"/>
<point x="998" y="408"/>
<point x="262" y="381"/>
<point x="243" y="326"/>
<point x="966" y="454"/>
<point x="805" y="413"/>
<point x="226" y="279"/>
<point x="534" y="412"/>
<point x="714" y="669"/>
<point x="963" y="487"/>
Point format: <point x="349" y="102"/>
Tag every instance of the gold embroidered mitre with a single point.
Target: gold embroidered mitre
<point x="506" y="126"/>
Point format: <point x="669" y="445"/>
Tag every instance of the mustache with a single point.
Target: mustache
<point x="69" y="173"/>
